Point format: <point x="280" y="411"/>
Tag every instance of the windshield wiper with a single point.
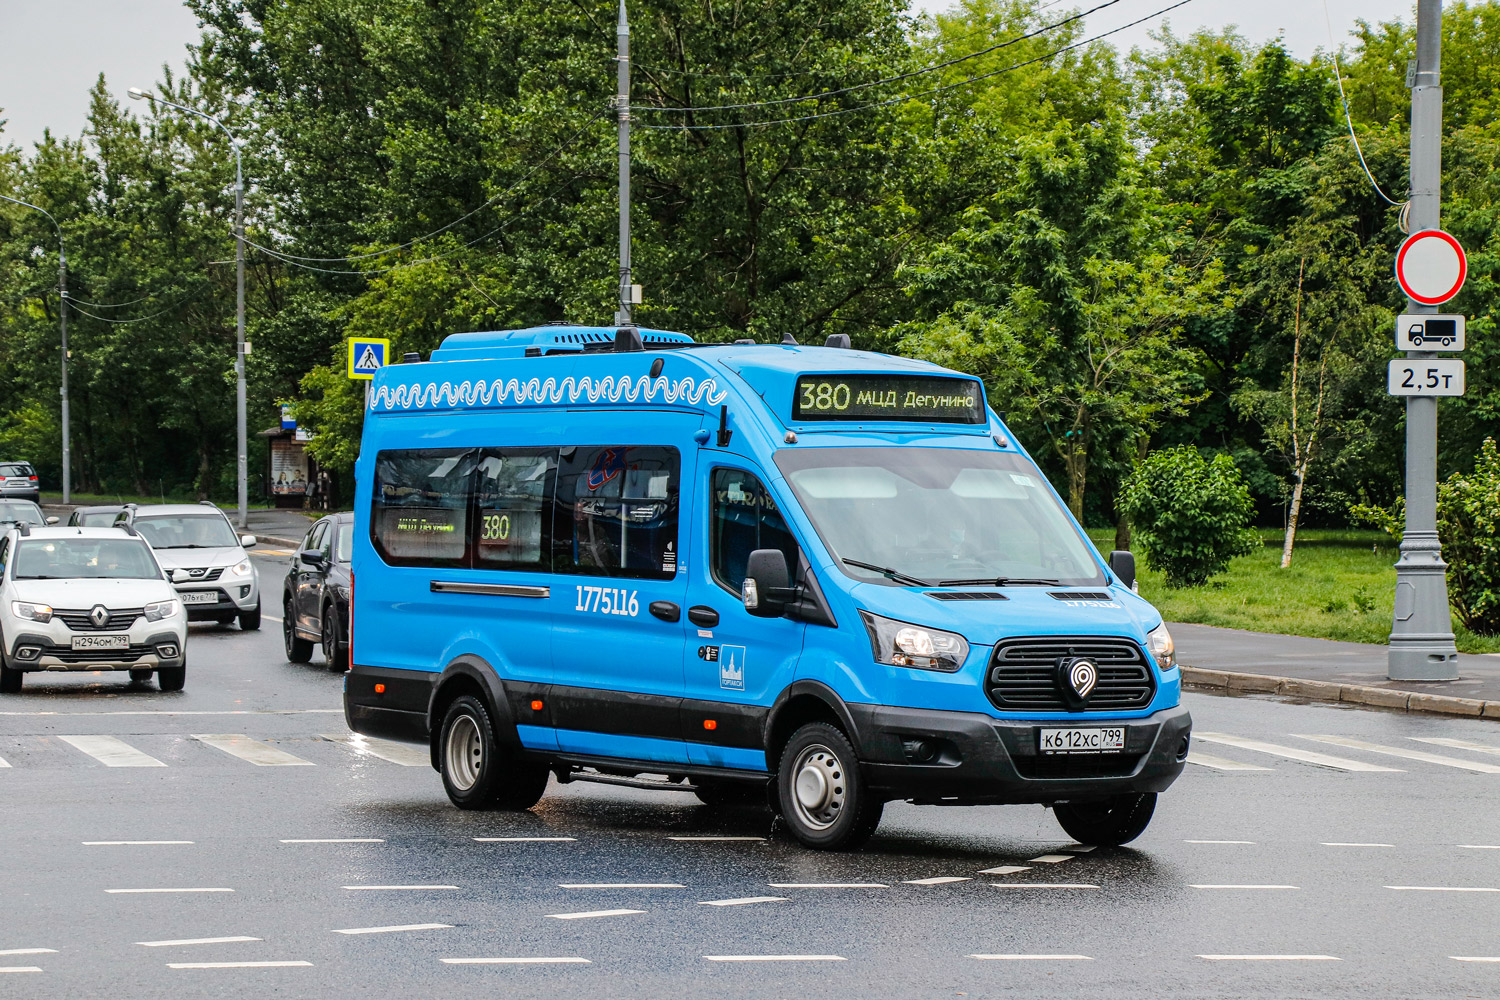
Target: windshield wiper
<point x="192" y="545"/>
<point x="890" y="574"/>
<point x="1001" y="581"/>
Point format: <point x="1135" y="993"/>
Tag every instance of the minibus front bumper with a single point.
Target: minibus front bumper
<point x="968" y="758"/>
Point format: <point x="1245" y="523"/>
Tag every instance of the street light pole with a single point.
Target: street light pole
<point x="1422" y="647"/>
<point x="622" y="106"/>
<point x="62" y="319"/>
<point x="138" y="94"/>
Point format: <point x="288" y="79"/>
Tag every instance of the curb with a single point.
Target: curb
<point x="1231" y="682"/>
<point x="283" y="542"/>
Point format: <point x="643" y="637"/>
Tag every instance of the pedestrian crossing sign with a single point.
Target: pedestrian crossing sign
<point x="367" y="355"/>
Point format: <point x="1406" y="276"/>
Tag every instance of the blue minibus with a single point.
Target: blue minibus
<point x="808" y="575"/>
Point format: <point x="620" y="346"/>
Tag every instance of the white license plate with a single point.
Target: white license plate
<point x="1092" y="740"/>
<point x="199" y="596"/>
<point x="101" y="642"/>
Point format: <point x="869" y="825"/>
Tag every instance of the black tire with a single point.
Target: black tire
<point x="334" y="650"/>
<point x="477" y="774"/>
<point x="824" y="799"/>
<point x="1108" y="823"/>
<point x="720" y="793"/>
<point x="250" y="620"/>
<point x="140" y="676"/>
<point x="225" y="619"/>
<point x="298" y="649"/>
<point x="171" y="678"/>
<point x="10" y="680"/>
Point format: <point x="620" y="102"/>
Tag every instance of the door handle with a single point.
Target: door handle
<point x="703" y="616"/>
<point x="666" y="611"/>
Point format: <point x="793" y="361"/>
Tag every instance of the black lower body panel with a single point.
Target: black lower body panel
<point x="398" y="711"/>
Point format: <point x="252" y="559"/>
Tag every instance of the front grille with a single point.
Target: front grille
<point x="119" y="618"/>
<point x="966" y="595"/>
<point x="72" y="656"/>
<point x="1023" y="674"/>
<point x="203" y="575"/>
<point x="1078" y="765"/>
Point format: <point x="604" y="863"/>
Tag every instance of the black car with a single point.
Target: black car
<point x="315" y="598"/>
<point x="18" y="481"/>
<point x="96" y="517"/>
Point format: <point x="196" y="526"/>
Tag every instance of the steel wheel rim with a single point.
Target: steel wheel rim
<point x="819" y="788"/>
<point x="465" y="754"/>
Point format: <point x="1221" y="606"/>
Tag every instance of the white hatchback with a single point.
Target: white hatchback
<point x="87" y="599"/>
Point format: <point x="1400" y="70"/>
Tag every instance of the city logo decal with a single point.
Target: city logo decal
<point x="732" y="668"/>
<point x="551" y="391"/>
<point x="1077" y="676"/>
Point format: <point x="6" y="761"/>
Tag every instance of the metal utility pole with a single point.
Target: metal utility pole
<point x="137" y="94"/>
<point x="1422" y="646"/>
<point x="622" y="107"/>
<point x="62" y="319"/>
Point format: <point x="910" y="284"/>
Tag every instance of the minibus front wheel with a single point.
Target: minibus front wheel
<point x="1108" y="823"/>
<point x="477" y="774"/>
<point x="824" y="798"/>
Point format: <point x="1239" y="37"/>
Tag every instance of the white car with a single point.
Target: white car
<point x="207" y="561"/>
<point x="87" y="599"/>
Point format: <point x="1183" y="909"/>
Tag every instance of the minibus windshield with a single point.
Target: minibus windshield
<point x="908" y="516"/>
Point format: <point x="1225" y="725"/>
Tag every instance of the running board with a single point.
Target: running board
<point x="614" y="779"/>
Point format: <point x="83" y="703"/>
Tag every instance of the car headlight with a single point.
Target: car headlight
<point x="31" y="612"/>
<point x="901" y="644"/>
<point x="1163" y="649"/>
<point x="161" y="609"/>
<point x="242" y="568"/>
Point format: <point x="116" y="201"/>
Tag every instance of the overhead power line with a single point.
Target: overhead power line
<point x="925" y="93"/>
<point x="136" y="319"/>
<point x="1338" y="77"/>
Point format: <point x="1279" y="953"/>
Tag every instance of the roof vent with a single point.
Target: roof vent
<point x="839" y="340"/>
<point x="966" y="595"/>
<point x="744" y="340"/>
<point x="411" y="358"/>
<point x="628" y="338"/>
<point x="1079" y="595"/>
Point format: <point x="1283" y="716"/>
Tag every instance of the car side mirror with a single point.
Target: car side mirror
<point x="313" y="557"/>
<point x="767" y="589"/>
<point x="1122" y="564"/>
<point x="51" y="520"/>
<point x="247" y="541"/>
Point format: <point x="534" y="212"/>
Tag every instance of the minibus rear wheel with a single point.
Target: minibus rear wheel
<point x="476" y="773"/>
<point x="824" y="799"/>
<point x="1107" y="823"/>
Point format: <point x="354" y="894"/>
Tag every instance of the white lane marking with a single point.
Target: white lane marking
<point x="273" y="618"/>
<point x="1042" y="885"/>
<point x="621" y="885"/>
<point x="239" y="965"/>
<point x="1441" y="888"/>
<point x="237" y="711"/>
<point x="1250" y="842"/>
<point x="1293" y="753"/>
<point x="338" y="840"/>
<point x="745" y="901"/>
<point x="1004" y="870"/>
<point x="776" y="958"/>
<point x="1032" y="958"/>
<point x="1221" y="763"/>
<point x="1271" y="958"/>
<point x="394" y="928"/>
<point x="398" y="888"/>
<point x="1443" y="741"/>
<point x="938" y="880"/>
<point x="1202" y="886"/>
<point x="586" y="914"/>
<point x="828" y="885"/>
<point x="187" y="941"/>
<point x="258" y="753"/>
<point x="515" y="961"/>
<point x="4" y="762"/>
<point x="1052" y="859"/>
<point x="30" y="951"/>
<point x="712" y="839"/>
<point x="1421" y="755"/>
<point x="1481" y="847"/>
<point x="132" y="843"/>
<point x="1080" y="848"/>
<point x="1475" y="958"/>
<point x="20" y="968"/>
<point x="132" y="891"/>
<point x="524" y="840"/>
<point x="397" y="753"/>
<point x="1336" y="843"/>
<point x="111" y="751"/>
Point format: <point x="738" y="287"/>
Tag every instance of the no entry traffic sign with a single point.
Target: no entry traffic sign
<point x="1431" y="267"/>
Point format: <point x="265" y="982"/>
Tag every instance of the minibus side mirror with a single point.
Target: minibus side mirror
<point x="767" y="588"/>
<point x="1122" y="564"/>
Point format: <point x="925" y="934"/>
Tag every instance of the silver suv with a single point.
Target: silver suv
<point x="198" y="547"/>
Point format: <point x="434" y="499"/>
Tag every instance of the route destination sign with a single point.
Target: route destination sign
<point x="915" y="398"/>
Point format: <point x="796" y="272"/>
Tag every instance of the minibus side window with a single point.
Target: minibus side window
<point x="421" y="506"/>
<point x="513" y="508"/>
<point x="616" y="512"/>
<point x="744" y="517"/>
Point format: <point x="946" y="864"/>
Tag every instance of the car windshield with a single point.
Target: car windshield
<point x="923" y="516"/>
<point x="84" y="558"/>
<point x="187" y="531"/>
<point x="343" y="550"/>
<point x="21" y="511"/>
<point x="97" y="518"/>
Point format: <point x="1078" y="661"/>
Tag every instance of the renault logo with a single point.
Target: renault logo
<point x="1077" y="676"/>
<point x="99" y="616"/>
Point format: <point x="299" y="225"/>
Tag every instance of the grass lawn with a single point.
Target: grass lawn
<point x="1341" y="585"/>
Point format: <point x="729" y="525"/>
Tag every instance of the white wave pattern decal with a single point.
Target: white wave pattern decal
<point x="536" y="392"/>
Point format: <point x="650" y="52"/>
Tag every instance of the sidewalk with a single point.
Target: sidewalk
<point x="1323" y="670"/>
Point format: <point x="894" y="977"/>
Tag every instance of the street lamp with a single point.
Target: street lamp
<point x="62" y="318"/>
<point x="137" y="94"/>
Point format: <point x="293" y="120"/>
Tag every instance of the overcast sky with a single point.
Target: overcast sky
<point x="51" y="51"/>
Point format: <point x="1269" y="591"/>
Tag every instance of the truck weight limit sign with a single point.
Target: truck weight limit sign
<point x="1438" y="377"/>
<point x="1431" y="267"/>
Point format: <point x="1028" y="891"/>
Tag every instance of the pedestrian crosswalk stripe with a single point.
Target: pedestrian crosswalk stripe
<point x="1292" y="753"/>
<point x="1458" y="744"/>
<point x="111" y="751"/>
<point x="1221" y="763"/>
<point x="1422" y="755"/>
<point x="254" y="751"/>
<point x="396" y="753"/>
<point x="4" y="762"/>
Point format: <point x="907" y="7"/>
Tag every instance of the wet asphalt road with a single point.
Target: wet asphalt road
<point x="1276" y="857"/>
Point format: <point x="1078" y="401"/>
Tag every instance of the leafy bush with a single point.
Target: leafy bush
<point x="1469" y="526"/>
<point x="1190" y="514"/>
